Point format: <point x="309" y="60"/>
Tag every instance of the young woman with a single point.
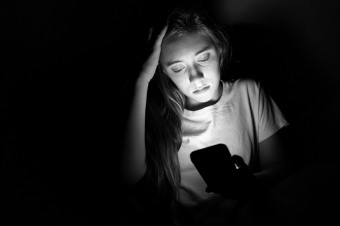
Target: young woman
<point x="180" y="104"/>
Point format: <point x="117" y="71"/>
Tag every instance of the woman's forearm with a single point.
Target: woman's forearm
<point x="267" y="178"/>
<point x="134" y="150"/>
<point x="133" y="156"/>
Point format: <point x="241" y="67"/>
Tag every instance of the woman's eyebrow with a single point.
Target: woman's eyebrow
<point x="198" y="52"/>
<point x="172" y="62"/>
<point x="203" y="50"/>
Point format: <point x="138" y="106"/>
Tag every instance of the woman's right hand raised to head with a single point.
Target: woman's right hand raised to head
<point x="150" y="65"/>
<point x="133" y="163"/>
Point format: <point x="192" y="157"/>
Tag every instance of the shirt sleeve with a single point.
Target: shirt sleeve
<point x="270" y="118"/>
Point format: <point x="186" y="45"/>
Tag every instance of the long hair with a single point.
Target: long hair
<point x="166" y="103"/>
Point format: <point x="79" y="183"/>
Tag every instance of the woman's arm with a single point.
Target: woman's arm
<point x="133" y="157"/>
<point x="273" y="162"/>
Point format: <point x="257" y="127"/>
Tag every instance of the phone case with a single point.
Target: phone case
<point x="215" y="165"/>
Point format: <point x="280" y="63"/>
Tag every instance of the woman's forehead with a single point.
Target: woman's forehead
<point x="189" y="44"/>
<point x="179" y="36"/>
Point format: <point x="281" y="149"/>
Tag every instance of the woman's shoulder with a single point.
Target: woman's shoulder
<point x="244" y="85"/>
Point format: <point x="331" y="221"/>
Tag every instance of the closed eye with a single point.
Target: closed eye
<point x="177" y="69"/>
<point x="204" y="58"/>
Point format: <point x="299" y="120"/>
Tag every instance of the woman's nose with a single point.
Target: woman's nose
<point x="195" y="73"/>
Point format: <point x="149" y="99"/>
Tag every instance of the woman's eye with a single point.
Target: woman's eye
<point x="203" y="59"/>
<point x="177" y="69"/>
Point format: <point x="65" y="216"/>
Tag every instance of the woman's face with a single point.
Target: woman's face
<point x="192" y="63"/>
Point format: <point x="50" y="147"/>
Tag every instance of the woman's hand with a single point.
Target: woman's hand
<point x="150" y="65"/>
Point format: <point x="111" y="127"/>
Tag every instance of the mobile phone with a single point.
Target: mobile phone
<point x="215" y="165"/>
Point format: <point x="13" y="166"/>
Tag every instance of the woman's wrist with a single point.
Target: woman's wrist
<point x="142" y="81"/>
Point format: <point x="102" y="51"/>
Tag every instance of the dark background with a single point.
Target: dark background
<point x="65" y="65"/>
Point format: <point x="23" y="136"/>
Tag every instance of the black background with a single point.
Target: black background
<point x="65" y="65"/>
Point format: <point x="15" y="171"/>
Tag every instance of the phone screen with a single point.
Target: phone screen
<point x="215" y="165"/>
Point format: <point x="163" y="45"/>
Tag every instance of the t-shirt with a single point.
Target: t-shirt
<point x="242" y="118"/>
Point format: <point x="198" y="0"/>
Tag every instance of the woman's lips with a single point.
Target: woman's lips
<point x="203" y="90"/>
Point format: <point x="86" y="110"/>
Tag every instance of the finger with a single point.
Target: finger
<point x="163" y="31"/>
<point x="161" y="35"/>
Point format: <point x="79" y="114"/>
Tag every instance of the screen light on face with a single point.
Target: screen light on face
<point x="192" y="63"/>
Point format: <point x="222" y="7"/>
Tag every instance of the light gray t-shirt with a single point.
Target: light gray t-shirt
<point x="242" y="118"/>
